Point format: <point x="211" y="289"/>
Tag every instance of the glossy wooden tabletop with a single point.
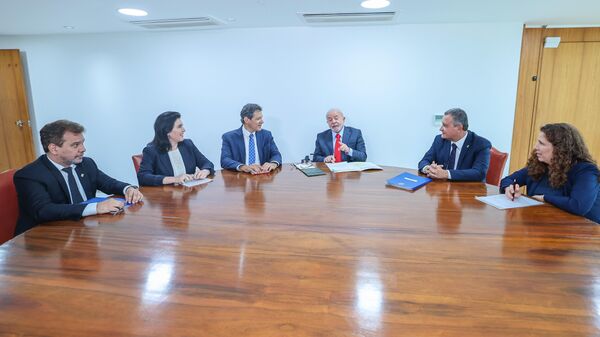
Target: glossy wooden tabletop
<point x="287" y="255"/>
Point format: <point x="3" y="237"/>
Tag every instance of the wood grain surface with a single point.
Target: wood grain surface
<point x="287" y="255"/>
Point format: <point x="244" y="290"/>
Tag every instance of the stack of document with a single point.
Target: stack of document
<point x="352" y="166"/>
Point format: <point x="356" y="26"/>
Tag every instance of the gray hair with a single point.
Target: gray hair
<point x="459" y="116"/>
<point x="334" y="110"/>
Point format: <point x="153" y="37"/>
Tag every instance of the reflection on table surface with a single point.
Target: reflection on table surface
<point x="282" y="254"/>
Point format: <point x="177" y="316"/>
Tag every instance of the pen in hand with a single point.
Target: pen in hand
<point x="515" y="190"/>
<point x="117" y="211"/>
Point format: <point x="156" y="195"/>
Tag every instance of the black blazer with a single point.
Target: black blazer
<point x="43" y="194"/>
<point x="156" y="165"/>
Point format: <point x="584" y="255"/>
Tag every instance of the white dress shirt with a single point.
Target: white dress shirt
<point x="459" y="145"/>
<point x="90" y="209"/>
<point x="246" y="140"/>
<point x="177" y="163"/>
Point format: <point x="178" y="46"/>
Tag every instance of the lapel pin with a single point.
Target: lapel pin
<point x="82" y="175"/>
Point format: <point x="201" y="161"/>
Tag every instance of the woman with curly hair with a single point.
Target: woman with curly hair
<point x="559" y="171"/>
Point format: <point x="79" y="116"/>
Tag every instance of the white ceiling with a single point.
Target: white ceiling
<point x="20" y="17"/>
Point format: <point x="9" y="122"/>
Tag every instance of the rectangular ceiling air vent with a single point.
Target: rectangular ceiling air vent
<point x="347" y="17"/>
<point x="200" y="22"/>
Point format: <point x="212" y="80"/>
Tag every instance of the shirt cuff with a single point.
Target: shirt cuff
<point x="425" y="169"/>
<point x="449" y="175"/>
<point x="128" y="186"/>
<point x="90" y="209"/>
<point x="238" y="167"/>
<point x="350" y="152"/>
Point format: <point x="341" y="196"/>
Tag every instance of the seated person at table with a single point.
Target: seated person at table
<point x="250" y="148"/>
<point x="339" y="142"/>
<point x="457" y="154"/>
<point x="169" y="158"/>
<point x="559" y="171"/>
<point x="54" y="186"/>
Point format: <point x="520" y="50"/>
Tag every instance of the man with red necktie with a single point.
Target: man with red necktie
<point x="339" y="143"/>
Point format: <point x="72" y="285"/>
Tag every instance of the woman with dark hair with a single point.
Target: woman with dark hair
<point x="559" y="171"/>
<point x="169" y="158"/>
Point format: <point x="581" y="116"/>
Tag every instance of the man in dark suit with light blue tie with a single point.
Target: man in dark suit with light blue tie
<point x="250" y="148"/>
<point x="55" y="186"/>
<point x="339" y="142"/>
<point x="457" y="154"/>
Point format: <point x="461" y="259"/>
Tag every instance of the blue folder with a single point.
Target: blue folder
<point x="101" y="199"/>
<point x="408" y="181"/>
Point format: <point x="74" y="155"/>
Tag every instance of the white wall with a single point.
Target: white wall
<point x="389" y="80"/>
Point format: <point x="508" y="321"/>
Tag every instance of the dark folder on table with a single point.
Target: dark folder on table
<point x="408" y="181"/>
<point x="312" y="171"/>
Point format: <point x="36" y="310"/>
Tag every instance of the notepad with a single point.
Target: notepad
<point x="193" y="183"/>
<point x="352" y="166"/>
<point x="500" y="201"/>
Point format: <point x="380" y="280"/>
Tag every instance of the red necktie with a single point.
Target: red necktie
<point x="337" y="154"/>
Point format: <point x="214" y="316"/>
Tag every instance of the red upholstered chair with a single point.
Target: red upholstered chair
<point x="137" y="160"/>
<point x="497" y="162"/>
<point x="9" y="212"/>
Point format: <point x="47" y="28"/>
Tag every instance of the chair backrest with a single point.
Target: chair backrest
<point x="137" y="160"/>
<point x="9" y="212"/>
<point x="497" y="162"/>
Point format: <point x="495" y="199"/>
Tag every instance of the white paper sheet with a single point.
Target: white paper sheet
<point x="500" y="201"/>
<point x="193" y="183"/>
<point x="352" y="166"/>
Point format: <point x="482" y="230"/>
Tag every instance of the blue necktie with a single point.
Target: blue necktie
<point x="75" y="194"/>
<point x="251" y="155"/>
<point x="452" y="159"/>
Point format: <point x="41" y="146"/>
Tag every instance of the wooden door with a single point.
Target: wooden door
<point x="558" y="85"/>
<point x="16" y="144"/>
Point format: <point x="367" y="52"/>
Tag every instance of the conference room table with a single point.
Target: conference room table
<point x="282" y="254"/>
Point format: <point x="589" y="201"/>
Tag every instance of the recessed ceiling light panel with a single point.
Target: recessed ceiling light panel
<point x="375" y="4"/>
<point x="133" y="12"/>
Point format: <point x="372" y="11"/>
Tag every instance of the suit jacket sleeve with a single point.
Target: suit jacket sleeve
<point x="201" y="161"/>
<point x="34" y="197"/>
<point x="360" y="152"/>
<point x="520" y="176"/>
<point x="275" y="155"/>
<point x="430" y="155"/>
<point x="147" y="175"/>
<point x="104" y="182"/>
<point x="227" y="161"/>
<point x="480" y="166"/>
<point x="319" y="152"/>
<point x="584" y="180"/>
